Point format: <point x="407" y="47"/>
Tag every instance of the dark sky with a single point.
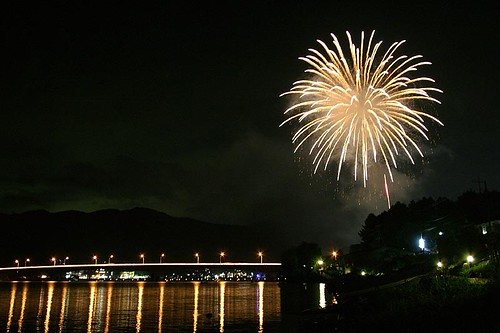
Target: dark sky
<point x="176" y="107"/>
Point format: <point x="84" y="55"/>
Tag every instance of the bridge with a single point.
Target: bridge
<point x="232" y="271"/>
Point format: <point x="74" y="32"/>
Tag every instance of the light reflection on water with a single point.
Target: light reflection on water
<point x="222" y="288"/>
<point x="11" y="305"/>
<point x="195" y="311"/>
<point x="160" y="307"/>
<point x="49" y="306"/>
<point x="140" y="307"/>
<point x="261" y="306"/>
<point x="23" y="306"/>
<point x="322" y="295"/>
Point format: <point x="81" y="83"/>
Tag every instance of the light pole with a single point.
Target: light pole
<point x="222" y="254"/>
<point x="26" y="262"/>
<point x="64" y="261"/>
<point x="109" y="259"/>
<point x="261" y="255"/>
<point x="142" y="257"/>
<point x="161" y="257"/>
<point x="16" y="262"/>
<point x="53" y="260"/>
<point x="197" y="255"/>
<point x="95" y="259"/>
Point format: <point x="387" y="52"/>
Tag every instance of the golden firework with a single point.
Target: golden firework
<point x="361" y="106"/>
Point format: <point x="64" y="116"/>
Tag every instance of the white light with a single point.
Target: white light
<point x="470" y="259"/>
<point x="421" y="243"/>
<point x="440" y="264"/>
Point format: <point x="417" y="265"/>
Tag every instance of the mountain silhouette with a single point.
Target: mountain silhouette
<point x="41" y="235"/>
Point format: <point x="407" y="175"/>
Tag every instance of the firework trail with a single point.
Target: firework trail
<point x="360" y="106"/>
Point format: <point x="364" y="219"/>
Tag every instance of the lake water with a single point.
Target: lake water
<point x="155" y="307"/>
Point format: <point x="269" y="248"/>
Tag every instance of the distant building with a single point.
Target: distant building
<point x="488" y="227"/>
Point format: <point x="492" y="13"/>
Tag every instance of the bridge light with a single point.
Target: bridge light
<point x="261" y="255"/>
<point x="197" y="255"/>
<point x="16" y="262"/>
<point x="65" y="259"/>
<point x="95" y="259"/>
<point x="26" y="262"/>
<point x="53" y="260"/>
<point x="142" y="257"/>
<point x="110" y="257"/>
<point x="161" y="257"/>
<point x="222" y="254"/>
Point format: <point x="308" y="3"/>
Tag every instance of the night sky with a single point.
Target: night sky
<point x="176" y="107"/>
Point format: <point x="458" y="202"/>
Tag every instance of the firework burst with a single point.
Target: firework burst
<point x="361" y="106"/>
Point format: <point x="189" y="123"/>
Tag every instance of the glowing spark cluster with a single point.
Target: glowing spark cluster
<point x="360" y="106"/>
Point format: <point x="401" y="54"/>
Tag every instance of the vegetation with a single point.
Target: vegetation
<point x="391" y="284"/>
<point x="299" y="263"/>
<point x="451" y="230"/>
<point x="443" y="303"/>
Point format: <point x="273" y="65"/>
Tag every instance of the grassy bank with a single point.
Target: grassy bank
<point x="439" y="303"/>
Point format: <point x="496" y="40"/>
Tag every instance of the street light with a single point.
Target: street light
<point x="64" y="261"/>
<point x="440" y="264"/>
<point x="110" y="257"/>
<point x="161" y="257"/>
<point x="261" y="255"/>
<point x="197" y="255"/>
<point x="26" y="262"/>
<point x="470" y="259"/>
<point x="16" y="262"/>
<point x="53" y="260"/>
<point x="95" y="259"/>
<point x="320" y="263"/>
<point x="142" y="257"/>
<point x="421" y="243"/>
<point x="334" y="255"/>
<point x="222" y="254"/>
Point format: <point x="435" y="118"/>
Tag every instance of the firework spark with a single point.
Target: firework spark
<point x="360" y="106"/>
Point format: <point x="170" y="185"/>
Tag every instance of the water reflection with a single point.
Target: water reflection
<point x="222" y="291"/>
<point x="195" y="311"/>
<point x="260" y="307"/>
<point x="322" y="296"/>
<point x="92" y="299"/>
<point x="49" y="306"/>
<point x="108" y="307"/>
<point x="160" y="306"/>
<point x="11" y="305"/>
<point x="139" y="307"/>
<point x="23" y="306"/>
<point x="41" y="306"/>
<point x="64" y="306"/>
